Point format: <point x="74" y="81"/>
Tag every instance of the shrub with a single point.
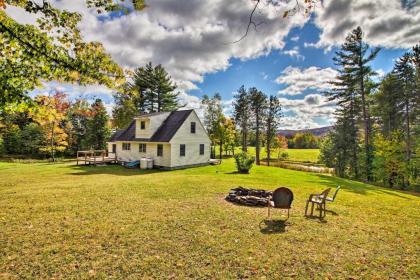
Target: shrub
<point x="244" y="162"/>
<point x="284" y="155"/>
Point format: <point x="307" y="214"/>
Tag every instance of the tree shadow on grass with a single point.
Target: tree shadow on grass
<point x="273" y="226"/>
<point x="357" y="187"/>
<point x="82" y="170"/>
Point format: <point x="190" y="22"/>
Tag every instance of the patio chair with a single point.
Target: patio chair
<point x="282" y="199"/>
<point x="319" y="200"/>
<point x="331" y="199"/>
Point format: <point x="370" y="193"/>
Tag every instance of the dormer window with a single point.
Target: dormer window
<point x="142" y="125"/>
<point x="193" y="127"/>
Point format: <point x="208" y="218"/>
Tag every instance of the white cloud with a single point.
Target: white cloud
<point x="385" y="23"/>
<point x="189" y="38"/>
<point x="298" y="80"/>
<point x="307" y="112"/>
<point x="294" y="52"/>
<point x="295" y="38"/>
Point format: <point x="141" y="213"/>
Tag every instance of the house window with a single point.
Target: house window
<point x="126" y="146"/>
<point x="182" y="150"/>
<point x="142" y="125"/>
<point x="114" y="148"/>
<point x="142" y="148"/>
<point x="201" y="149"/>
<point x="160" y="150"/>
<point x="193" y="127"/>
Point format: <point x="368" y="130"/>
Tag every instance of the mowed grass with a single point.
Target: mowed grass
<point x="301" y="155"/>
<point x="63" y="221"/>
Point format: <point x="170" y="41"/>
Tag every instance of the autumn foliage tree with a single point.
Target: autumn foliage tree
<point x="50" y="114"/>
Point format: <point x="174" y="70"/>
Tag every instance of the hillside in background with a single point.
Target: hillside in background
<point x="321" y="131"/>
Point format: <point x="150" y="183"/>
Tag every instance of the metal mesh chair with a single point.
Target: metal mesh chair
<point x="281" y="198"/>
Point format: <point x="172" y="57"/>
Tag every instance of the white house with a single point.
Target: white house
<point x="172" y="139"/>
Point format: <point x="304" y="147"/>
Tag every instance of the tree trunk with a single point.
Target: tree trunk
<point x="354" y="144"/>
<point x="244" y="139"/>
<point x="257" y="140"/>
<point x="221" y="149"/>
<point x="269" y="136"/>
<point x="407" y="130"/>
<point x="52" y="142"/>
<point x="366" y="120"/>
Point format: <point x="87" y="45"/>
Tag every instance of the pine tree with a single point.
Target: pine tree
<point x="405" y="72"/>
<point x="388" y="106"/>
<point x="355" y="58"/>
<point x="345" y="129"/>
<point x="272" y="123"/>
<point x="97" y="127"/>
<point x="242" y="114"/>
<point x="258" y="106"/>
<point x="152" y="90"/>
<point x="164" y="99"/>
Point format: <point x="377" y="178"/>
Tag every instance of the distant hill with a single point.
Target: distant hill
<point x="321" y="131"/>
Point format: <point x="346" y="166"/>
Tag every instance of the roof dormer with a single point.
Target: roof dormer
<point x="147" y="124"/>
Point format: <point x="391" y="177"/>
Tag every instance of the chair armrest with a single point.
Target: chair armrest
<point x="313" y="195"/>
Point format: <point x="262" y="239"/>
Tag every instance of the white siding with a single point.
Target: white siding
<point x="152" y="124"/>
<point x="151" y="151"/>
<point x="192" y="143"/>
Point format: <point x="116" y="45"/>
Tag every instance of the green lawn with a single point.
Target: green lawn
<point x="63" y="221"/>
<point x="301" y="155"/>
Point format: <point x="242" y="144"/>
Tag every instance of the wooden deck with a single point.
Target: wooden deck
<point x="95" y="157"/>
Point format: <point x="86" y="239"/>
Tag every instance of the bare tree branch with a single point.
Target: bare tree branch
<point x="250" y="22"/>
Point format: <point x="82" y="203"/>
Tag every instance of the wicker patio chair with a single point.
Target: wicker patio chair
<point x="282" y="199"/>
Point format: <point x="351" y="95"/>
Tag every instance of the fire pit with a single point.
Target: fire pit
<point x="249" y="197"/>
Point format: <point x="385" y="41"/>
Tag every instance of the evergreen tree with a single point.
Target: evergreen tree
<point x="354" y="58"/>
<point x="165" y="99"/>
<point x="97" y="127"/>
<point x="272" y="123"/>
<point x="345" y="128"/>
<point x="242" y="114"/>
<point x="152" y="90"/>
<point x="405" y="72"/>
<point x="388" y="106"/>
<point x="258" y="106"/>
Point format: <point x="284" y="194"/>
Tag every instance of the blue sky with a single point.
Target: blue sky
<point x="290" y="58"/>
<point x="262" y="72"/>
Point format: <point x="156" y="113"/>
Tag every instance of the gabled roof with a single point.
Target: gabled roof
<point x="163" y="134"/>
<point x="170" y="126"/>
<point x="144" y="115"/>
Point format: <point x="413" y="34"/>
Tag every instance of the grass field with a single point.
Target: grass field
<point x="63" y="221"/>
<point x="301" y="155"/>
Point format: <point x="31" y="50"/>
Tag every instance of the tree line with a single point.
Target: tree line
<point x="253" y="113"/>
<point x="54" y="126"/>
<point x="376" y="135"/>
